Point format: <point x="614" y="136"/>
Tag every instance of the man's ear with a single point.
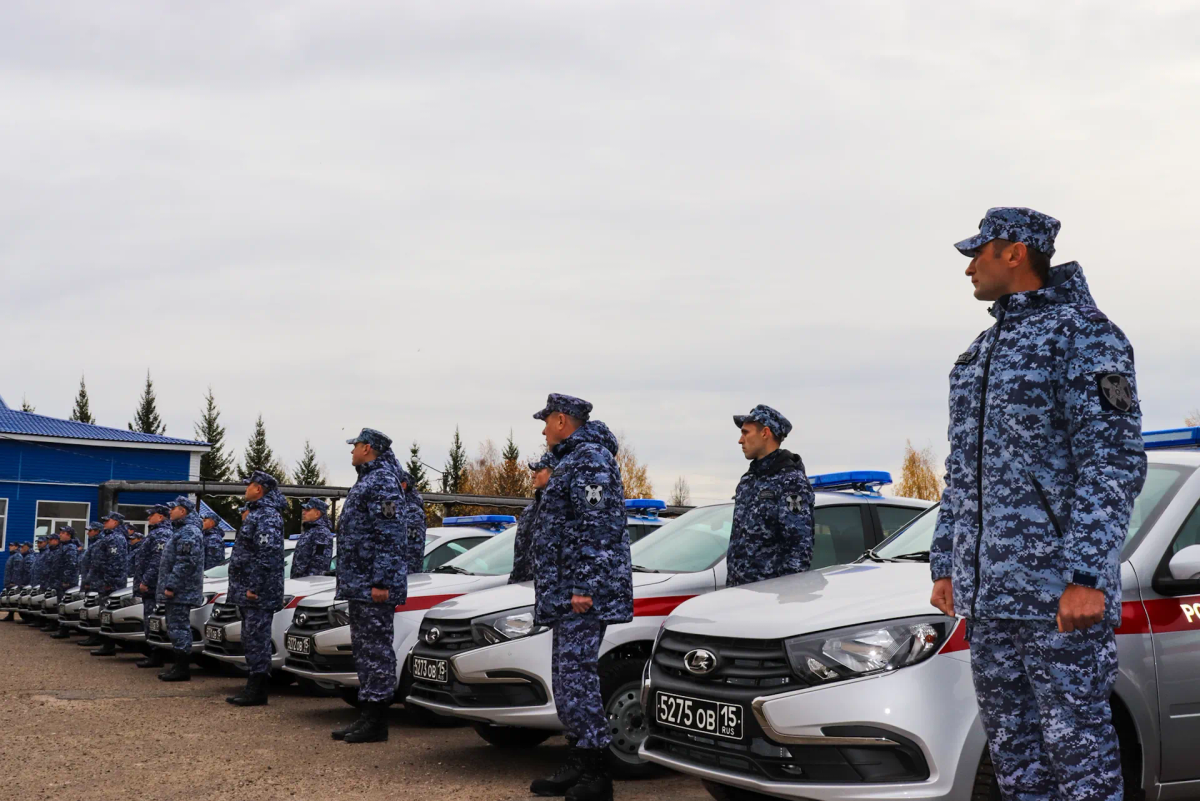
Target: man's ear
<point x="1017" y="252"/>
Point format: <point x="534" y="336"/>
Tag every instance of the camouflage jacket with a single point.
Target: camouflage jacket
<point x="67" y="574"/>
<point x="87" y="562"/>
<point x="130" y="559"/>
<point x="1046" y="456"/>
<point x="772" y="521"/>
<point x="12" y="569"/>
<point x="581" y="545"/>
<point x="24" y="574"/>
<point x="256" y="564"/>
<point x="36" y="564"/>
<point x="523" y="544"/>
<point x="148" y="558"/>
<point x="109" y="564"/>
<point x="181" y="566"/>
<point x="314" y="550"/>
<point x="415" y="519"/>
<point x="214" y="547"/>
<point x="372" y="536"/>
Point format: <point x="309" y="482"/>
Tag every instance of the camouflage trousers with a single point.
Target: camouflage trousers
<point x="147" y="610"/>
<point x="256" y="638"/>
<point x="179" y="626"/>
<point x="1043" y="699"/>
<point x="372" y="627"/>
<point x="576" y="681"/>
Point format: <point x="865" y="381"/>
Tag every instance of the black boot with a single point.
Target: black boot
<point x="63" y="633"/>
<point x="109" y="648"/>
<point x="562" y="779"/>
<point x="48" y="625"/>
<point x="374" y="728"/>
<point x="10" y="617"/>
<point x="91" y="641"/>
<point x="595" y="784"/>
<point x="340" y="734"/>
<point x="255" y="693"/>
<point x="181" y="670"/>
<point x="155" y="657"/>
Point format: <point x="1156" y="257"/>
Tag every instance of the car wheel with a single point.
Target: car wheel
<point x="621" y="688"/>
<point x="985" y="788"/>
<point x="723" y="792"/>
<point x="512" y="737"/>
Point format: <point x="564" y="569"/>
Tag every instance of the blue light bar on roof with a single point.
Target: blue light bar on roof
<point x="859" y="480"/>
<point x="644" y="507"/>
<point x="1172" y="438"/>
<point x="481" y="521"/>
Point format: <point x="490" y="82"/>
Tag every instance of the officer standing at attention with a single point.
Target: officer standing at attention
<point x="542" y="469"/>
<point x="181" y="583"/>
<point x="68" y="573"/>
<point x="256" y="580"/>
<point x="314" y="549"/>
<point x="134" y="538"/>
<point x="87" y="567"/>
<point x="109" y="568"/>
<point x="414" y="513"/>
<point x="372" y="576"/>
<point x="773" y="507"/>
<point x="583" y="582"/>
<point x="26" y="575"/>
<point x="145" y="575"/>
<point x="214" y="541"/>
<point x="50" y="567"/>
<point x="1046" y="459"/>
<point x="12" y="569"/>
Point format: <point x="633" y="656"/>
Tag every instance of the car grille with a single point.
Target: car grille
<point x="112" y="604"/>
<point x="740" y="663"/>
<point x="225" y="613"/>
<point x="453" y="636"/>
<point x="456" y="693"/>
<point x="315" y="618"/>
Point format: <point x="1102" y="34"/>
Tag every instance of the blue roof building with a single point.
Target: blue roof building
<point x="51" y="470"/>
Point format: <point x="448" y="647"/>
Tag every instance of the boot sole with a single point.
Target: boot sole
<point x="245" y="703"/>
<point x="355" y="740"/>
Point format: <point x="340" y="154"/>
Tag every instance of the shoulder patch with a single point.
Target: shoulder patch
<point x="794" y="503"/>
<point x="1116" y="393"/>
<point x="594" y="494"/>
<point x="389" y="510"/>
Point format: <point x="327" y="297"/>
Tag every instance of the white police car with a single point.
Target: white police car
<point x="845" y="683"/>
<point x="479" y="657"/>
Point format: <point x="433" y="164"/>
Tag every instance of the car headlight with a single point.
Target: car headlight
<point x="510" y="625"/>
<point x="339" y="614"/>
<point x="129" y="600"/>
<point x="863" y="650"/>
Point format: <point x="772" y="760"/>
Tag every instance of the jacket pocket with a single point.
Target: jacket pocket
<point x="1041" y="493"/>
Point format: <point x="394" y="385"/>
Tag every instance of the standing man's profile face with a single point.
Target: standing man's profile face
<point x="362" y="454"/>
<point x="993" y="269"/>
<point x="179" y="512"/>
<point x="209" y="523"/>
<point x="253" y="493"/>
<point x="756" y="440"/>
<point x="311" y="515"/>
<point x="541" y="478"/>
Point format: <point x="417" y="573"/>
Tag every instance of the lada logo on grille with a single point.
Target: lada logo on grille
<point x="433" y="635"/>
<point x="700" y="662"/>
<point x="301" y="619"/>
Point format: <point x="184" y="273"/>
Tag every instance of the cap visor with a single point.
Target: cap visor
<point x="968" y="247"/>
<point x="543" y="414"/>
<point x="740" y="419"/>
<point x="352" y="442"/>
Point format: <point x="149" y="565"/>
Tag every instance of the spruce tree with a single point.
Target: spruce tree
<point x="513" y="479"/>
<point x="416" y="469"/>
<point x="82" y="413"/>
<point x="145" y="418"/>
<point x="456" y="466"/>
<point x="26" y="406"/>
<point x="308" y="470"/>
<point x="259" y="456"/>
<point x="217" y="464"/>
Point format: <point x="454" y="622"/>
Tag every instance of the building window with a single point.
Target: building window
<point x="135" y="517"/>
<point x="4" y="521"/>
<point x="52" y="514"/>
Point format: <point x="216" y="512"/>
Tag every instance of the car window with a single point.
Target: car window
<point x="694" y="541"/>
<point x="1189" y="533"/>
<point x="444" y="553"/>
<point x="838" y="535"/>
<point x="491" y="558"/>
<point x="894" y="518"/>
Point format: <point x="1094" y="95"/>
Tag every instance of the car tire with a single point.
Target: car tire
<point x="723" y="792"/>
<point x="511" y="738"/>
<point x="985" y="788"/>
<point x="621" y="689"/>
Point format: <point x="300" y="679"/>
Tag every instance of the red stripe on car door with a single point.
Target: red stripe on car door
<point x="657" y="607"/>
<point x="425" y="602"/>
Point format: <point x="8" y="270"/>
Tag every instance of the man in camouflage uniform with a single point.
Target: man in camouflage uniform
<point x="87" y="566"/>
<point x="414" y="513"/>
<point x="314" y="550"/>
<point x="109" y="568"/>
<point x="134" y="538"/>
<point x="583" y="579"/>
<point x="256" y="580"/>
<point x="372" y="577"/>
<point x="25" y="576"/>
<point x="542" y="469"/>
<point x="773" y="507"/>
<point x="67" y="574"/>
<point x="49" y="573"/>
<point x="181" y="583"/>
<point x="214" y="541"/>
<point x="144" y="575"/>
<point x="1045" y="462"/>
<point x="12" y="569"/>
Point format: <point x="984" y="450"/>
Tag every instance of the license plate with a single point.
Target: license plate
<point x="299" y="645"/>
<point x="214" y="633"/>
<point x="62" y="610"/>
<point x="430" y="669"/>
<point x="703" y="717"/>
<point x="106" y="618"/>
<point x="156" y="624"/>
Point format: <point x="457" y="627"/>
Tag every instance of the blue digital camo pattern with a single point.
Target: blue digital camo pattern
<point x="581" y="544"/>
<point x="109" y="564"/>
<point x="523" y="543"/>
<point x="50" y="565"/>
<point x="179" y="626"/>
<point x="256" y="638"/>
<point x="576" y="680"/>
<point x="567" y="404"/>
<point x="1062" y="458"/>
<point x="86" y="562"/>
<point x="12" y="568"/>
<point x="131" y="559"/>
<point x="256" y="564"/>
<point x="379" y="441"/>
<point x="25" y="568"/>
<point x="214" y="547"/>
<point x="38" y="564"/>
<point x="148" y="604"/>
<point x="1044" y="702"/>
<point x="148" y="559"/>
<point x="1014" y="224"/>
<point x="371" y="634"/>
<point x="314" y="550"/>
<point x="68" y="566"/>
<point x="414" y="517"/>
<point x="772" y="521"/>
<point x="768" y="418"/>
<point x="181" y="567"/>
<point x="372" y="536"/>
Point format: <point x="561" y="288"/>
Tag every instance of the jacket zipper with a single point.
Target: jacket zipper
<point x="1045" y="504"/>
<point x="987" y="369"/>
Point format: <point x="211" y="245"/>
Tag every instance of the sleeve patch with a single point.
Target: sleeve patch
<point x="389" y="510"/>
<point x="1116" y="393"/>
<point x="966" y="358"/>
<point x="594" y="494"/>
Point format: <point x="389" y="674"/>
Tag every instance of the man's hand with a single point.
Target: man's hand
<point x="943" y="596"/>
<point x="1080" y="608"/>
<point x="251" y="595"/>
<point x="379" y="596"/>
<point x="581" y="603"/>
<point x="142" y="588"/>
<point x="169" y="593"/>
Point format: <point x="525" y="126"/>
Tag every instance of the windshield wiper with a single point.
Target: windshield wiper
<point x="640" y="569"/>
<point x="915" y="556"/>
<point x="452" y="569"/>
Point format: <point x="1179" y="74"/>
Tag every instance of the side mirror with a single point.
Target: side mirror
<point x="1185" y="565"/>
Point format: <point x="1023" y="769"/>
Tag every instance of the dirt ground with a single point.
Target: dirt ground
<point x="97" y="728"/>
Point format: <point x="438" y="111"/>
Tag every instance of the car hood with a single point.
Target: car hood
<point x="420" y="585"/>
<point x="511" y="596"/>
<point x="843" y="595"/>
<point x="309" y="585"/>
<point x="121" y="593"/>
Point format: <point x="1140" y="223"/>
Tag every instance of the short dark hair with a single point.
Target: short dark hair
<point x="1039" y="262"/>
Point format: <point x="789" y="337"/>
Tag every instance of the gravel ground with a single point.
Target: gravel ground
<point x="129" y="736"/>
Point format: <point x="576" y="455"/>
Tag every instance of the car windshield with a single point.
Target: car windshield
<point x="1162" y="480"/>
<point x="222" y="570"/>
<point x="491" y="558"/>
<point x="694" y="541"/>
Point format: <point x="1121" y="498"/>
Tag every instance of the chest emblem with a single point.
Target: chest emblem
<point x="793" y="503"/>
<point x="593" y="494"/>
<point x="1116" y="393"/>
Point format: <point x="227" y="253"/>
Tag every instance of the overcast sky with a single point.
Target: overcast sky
<point x="414" y="216"/>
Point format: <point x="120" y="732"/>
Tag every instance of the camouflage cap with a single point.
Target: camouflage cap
<point x="183" y="501"/>
<point x="41" y="539"/>
<point x="158" y="509"/>
<point x="575" y="407"/>
<point x="120" y="518"/>
<point x="264" y="480"/>
<point x="378" y="440"/>
<point x="316" y="503"/>
<point x="545" y="462"/>
<point x="766" y="416"/>
<point x="1015" y="224"/>
<point x="213" y="516"/>
<point x="26" y="544"/>
<point x="95" y="525"/>
<point x="133" y="533"/>
<point x="69" y="529"/>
